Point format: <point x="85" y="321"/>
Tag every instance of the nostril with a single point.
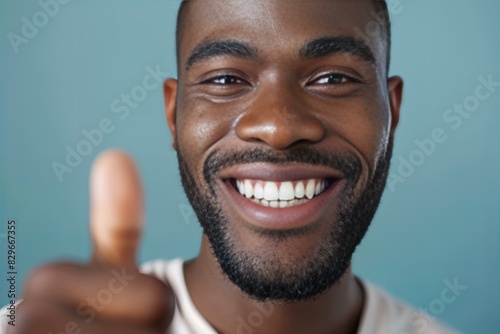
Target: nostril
<point x="279" y="128"/>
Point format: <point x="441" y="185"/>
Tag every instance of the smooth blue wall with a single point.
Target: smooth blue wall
<point x="442" y="223"/>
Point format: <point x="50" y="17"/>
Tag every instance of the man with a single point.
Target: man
<point x="283" y="118"/>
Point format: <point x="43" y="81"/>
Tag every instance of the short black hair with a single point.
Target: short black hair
<point x="180" y="16"/>
<point x="380" y="8"/>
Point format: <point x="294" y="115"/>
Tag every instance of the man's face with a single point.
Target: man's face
<point x="283" y="126"/>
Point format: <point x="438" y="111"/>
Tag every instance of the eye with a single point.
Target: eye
<point x="224" y="84"/>
<point x="224" y="80"/>
<point x="334" y="79"/>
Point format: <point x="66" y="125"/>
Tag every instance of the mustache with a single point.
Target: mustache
<point x="349" y="164"/>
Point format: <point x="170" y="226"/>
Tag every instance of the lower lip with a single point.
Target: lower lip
<point x="290" y="218"/>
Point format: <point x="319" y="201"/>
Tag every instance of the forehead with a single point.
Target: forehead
<point x="277" y="27"/>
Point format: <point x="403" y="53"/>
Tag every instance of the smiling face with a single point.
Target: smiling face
<point x="282" y="119"/>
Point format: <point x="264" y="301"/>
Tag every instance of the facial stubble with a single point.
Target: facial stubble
<point x="265" y="276"/>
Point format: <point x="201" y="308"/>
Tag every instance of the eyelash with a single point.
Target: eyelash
<point x="224" y="77"/>
<point x="233" y="80"/>
<point x="343" y="78"/>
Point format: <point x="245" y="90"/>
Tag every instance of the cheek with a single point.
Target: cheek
<point x="364" y="124"/>
<point x="200" y="126"/>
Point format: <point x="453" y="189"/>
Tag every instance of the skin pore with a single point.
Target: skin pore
<point x="273" y="90"/>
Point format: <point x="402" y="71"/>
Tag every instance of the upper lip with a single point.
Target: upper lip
<point x="279" y="173"/>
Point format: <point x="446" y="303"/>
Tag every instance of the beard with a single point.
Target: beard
<point x="268" y="277"/>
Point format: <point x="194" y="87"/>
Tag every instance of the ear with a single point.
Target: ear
<point x="395" y="89"/>
<point x="170" y="94"/>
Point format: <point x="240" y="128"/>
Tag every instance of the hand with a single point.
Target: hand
<point x="108" y="295"/>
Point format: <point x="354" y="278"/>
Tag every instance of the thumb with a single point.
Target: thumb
<point x="116" y="209"/>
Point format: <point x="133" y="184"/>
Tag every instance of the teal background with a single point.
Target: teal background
<point x="442" y="223"/>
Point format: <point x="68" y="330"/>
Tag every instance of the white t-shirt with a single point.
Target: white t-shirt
<point x="382" y="314"/>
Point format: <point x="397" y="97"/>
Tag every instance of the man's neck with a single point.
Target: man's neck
<point x="229" y="310"/>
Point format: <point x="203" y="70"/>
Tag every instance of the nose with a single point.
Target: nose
<point x="279" y="118"/>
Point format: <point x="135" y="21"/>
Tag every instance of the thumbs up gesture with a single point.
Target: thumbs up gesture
<point x="107" y="295"/>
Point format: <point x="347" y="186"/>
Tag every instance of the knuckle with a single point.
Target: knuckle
<point x="45" y="279"/>
<point x="40" y="279"/>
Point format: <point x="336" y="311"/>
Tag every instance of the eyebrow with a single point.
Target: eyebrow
<point x="316" y="48"/>
<point x="217" y="48"/>
<point x="332" y="45"/>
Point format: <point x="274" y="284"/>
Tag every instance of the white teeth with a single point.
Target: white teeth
<point x="271" y="192"/>
<point x="248" y="189"/>
<point x="300" y="191"/>
<point x="241" y="187"/>
<point x="317" y="190"/>
<point x="280" y="204"/>
<point x="258" y="191"/>
<point x="280" y="194"/>
<point x="310" y="189"/>
<point x="287" y="192"/>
